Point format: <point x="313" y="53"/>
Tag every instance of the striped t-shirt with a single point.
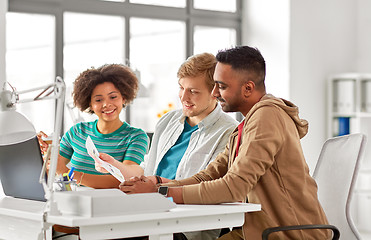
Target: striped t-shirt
<point x="126" y="143"/>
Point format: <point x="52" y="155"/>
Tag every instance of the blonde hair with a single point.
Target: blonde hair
<point x="197" y="65"/>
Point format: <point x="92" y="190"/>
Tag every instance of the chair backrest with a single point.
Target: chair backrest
<point x="336" y="174"/>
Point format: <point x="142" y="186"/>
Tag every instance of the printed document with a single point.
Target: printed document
<point x="93" y="152"/>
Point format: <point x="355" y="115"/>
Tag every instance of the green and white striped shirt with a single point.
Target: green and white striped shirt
<point x="126" y="143"/>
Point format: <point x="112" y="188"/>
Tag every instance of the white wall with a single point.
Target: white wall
<point x="315" y="39"/>
<point x="323" y="42"/>
<point x="3" y="10"/>
<point x="265" y="25"/>
<point x="364" y="36"/>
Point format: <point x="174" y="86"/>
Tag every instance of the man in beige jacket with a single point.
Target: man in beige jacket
<point x="269" y="168"/>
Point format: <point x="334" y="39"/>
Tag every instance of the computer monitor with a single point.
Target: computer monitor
<point x="20" y="168"/>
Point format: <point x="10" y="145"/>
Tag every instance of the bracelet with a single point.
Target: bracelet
<point x="82" y="175"/>
<point x="158" y="179"/>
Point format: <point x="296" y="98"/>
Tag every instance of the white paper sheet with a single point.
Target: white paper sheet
<point x="93" y="152"/>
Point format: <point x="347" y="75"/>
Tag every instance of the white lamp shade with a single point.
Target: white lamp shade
<point x="15" y="128"/>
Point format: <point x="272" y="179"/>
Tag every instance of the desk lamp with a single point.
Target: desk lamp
<point x="15" y="127"/>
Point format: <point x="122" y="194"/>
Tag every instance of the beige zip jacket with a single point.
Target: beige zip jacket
<point x="270" y="169"/>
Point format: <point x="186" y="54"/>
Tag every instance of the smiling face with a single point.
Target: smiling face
<point x="106" y="102"/>
<point x="228" y="89"/>
<point x="196" y="98"/>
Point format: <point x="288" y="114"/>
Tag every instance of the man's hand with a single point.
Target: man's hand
<point x="107" y="158"/>
<point x="138" y="185"/>
<point x="152" y="178"/>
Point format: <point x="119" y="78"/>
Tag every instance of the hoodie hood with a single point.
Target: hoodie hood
<point x="291" y="109"/>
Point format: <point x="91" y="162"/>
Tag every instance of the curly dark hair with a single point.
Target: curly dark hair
<point x="120" y="75"/>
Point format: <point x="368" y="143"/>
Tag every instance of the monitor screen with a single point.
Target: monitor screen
<point x="20" y="168"/>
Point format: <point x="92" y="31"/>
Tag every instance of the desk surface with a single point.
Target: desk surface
<point x="180" y="219"/>
<point x="182" y="210"/>
<point x="16" y="207"/>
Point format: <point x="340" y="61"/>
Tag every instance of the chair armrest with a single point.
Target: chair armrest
<point x="335" y="230"/>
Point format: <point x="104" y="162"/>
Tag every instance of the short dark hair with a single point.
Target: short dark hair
<point x="122" y="77"/>
<point x="244" y="58"/>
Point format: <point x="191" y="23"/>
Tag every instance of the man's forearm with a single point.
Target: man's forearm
<point x="183" y="182"/>
<point x="177" y="194"/>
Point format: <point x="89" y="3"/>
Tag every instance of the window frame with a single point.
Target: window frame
<point x="191" y="16"/>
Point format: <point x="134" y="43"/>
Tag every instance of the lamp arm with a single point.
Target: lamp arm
<point x="61" y="87"/>
<point x="58" y="88"/>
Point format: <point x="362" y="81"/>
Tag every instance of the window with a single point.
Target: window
<point x="213" y="39"/>
<point x="30" y="63"/>
<point x="153" y="36"/>
<point x="89" y="41"/>
<point x="167" y="3"/>
<point x="216" y="5"/>
<point x="157" y="49"/>
<point x="114" y="0"/>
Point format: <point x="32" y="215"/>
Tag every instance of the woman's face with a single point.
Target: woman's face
<point x="106" y="102"/>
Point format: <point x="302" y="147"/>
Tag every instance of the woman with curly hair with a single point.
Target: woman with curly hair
<point x="103" y="91"/>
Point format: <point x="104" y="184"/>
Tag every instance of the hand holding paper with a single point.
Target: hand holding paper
<point x="99" y="167"/>
<point x="93" y="152"/>
<point x="108" y="159"/>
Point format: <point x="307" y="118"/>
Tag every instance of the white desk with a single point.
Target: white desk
<point x="17" y="214"/>
<point x="21" y="219"/>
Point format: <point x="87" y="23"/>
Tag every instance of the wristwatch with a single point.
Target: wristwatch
<point x="163" y="190"/>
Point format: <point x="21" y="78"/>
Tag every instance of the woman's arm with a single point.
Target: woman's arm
<point x="86" y="179"/>
<point x="61" y="165"/>
<point x="96" y="181"/>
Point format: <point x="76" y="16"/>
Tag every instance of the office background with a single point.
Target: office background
<point x="303" y="43"/>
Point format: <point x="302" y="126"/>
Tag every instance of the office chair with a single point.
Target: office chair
<point x="335" y="174"/>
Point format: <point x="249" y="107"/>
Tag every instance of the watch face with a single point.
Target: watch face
<point x="163" y="190"/>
